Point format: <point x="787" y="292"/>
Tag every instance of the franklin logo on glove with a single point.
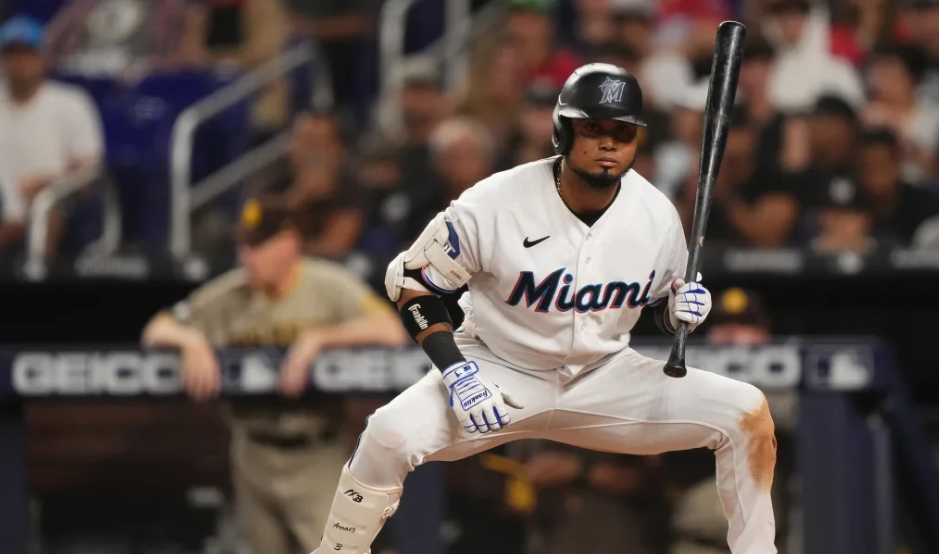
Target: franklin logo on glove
<point x="482" y="405"/>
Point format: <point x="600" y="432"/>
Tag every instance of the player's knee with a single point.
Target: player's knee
<point x="385" y="437"/>
<point x="759" y="431"/>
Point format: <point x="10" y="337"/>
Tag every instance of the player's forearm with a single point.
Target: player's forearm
<point x="374" y="329"/>
<point x="164" y="331"/>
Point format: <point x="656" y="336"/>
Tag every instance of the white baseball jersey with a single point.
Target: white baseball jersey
<point x="548" y="291"/>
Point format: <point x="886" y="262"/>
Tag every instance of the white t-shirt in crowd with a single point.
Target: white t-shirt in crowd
<point x="40" y="138"/>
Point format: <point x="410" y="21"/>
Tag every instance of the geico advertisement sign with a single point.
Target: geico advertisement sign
<point x="89" y="373"/>
<point x="338" y="371"/>
<point x="157" y="373"/>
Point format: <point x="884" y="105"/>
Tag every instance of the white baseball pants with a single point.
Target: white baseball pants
<point x="626" y="406"/>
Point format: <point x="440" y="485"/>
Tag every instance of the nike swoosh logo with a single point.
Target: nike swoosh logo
<point x="529" y="243"/>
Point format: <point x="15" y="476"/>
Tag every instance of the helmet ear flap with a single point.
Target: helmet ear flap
<point x="561" y="137"/>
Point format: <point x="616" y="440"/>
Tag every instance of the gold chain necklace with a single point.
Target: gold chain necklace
<point x="557" y="177"/>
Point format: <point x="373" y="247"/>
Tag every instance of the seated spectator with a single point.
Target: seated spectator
<point x="893" y="74"/>
<point x="677" y="159"/>
<point x="682" y="50"/>
<point x="245" y="33"/>
<point x="532" y="140"/>
<point x="750" y="208"/>
<point x="921" y="21"/>
<point x="594" y="24"/>
<point x="755" y="70"/>
<point x="424" y="105"/>
<point x="804" y="68"/>
<point x="820" y="148"/>
<point x="530" y="24"/>
<point x="634" y="18"/>
<point x="462" y="154"/>
<point x="840" y="215"/>
<point x="898" y="208"/>
<point x="495" y="88"/>
<point x="46" y="129"/>
<point x="618" y="54"/>
<point x="324" y="184"/>
<point x="862" y="25"/>
<point x="386" y="208"/>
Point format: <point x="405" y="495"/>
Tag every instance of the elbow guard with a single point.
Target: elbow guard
<point x="437" y="247"/>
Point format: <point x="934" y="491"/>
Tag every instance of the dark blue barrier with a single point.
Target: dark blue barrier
<point x="843" y="454"/>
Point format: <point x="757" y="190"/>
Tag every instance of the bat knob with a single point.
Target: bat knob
<point x="675" y="369"/>
<point x="675" y="366"/>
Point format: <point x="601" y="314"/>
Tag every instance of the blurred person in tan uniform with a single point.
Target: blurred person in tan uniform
<point x="286" y="455"/>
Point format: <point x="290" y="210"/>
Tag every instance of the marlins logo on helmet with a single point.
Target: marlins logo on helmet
<point x="612" y="91"/>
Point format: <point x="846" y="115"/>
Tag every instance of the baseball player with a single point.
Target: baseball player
<point x="560" y="257"/>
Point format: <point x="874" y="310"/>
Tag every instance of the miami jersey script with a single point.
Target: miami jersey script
<point x="547" y="290"/>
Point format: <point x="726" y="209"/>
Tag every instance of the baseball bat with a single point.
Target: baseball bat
<point x="722" y="88"/>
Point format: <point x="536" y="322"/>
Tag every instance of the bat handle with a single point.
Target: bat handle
<point x="675" y="366"/>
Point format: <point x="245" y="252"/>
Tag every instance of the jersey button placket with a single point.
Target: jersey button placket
<point x="583" y="276"/>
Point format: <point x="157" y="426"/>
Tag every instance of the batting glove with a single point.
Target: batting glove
<point x="480" y="405"/>
<point x="688" y="302"/>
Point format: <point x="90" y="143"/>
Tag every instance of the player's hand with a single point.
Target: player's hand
<point x="295" y="371"/>
<point x="200" y="374"/>
<point x="479" y="404"/>
<point x="551" y="469"/>
<point x="688" y="302"/>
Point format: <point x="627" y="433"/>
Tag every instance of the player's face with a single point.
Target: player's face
<point x="602" y="150"/>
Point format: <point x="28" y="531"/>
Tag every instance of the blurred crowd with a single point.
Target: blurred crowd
<point x="833" y="143"/>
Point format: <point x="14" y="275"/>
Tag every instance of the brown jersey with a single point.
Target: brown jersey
<point x="232" y="314"/>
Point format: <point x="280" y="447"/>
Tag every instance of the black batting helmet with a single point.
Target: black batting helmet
<point x="596" y="91"/>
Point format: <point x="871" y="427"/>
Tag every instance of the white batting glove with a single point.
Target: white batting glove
<point x="479" y="404"/>
<point x="688" y="302"/>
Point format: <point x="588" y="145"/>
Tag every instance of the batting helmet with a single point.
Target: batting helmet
<point x="596" y="91"/>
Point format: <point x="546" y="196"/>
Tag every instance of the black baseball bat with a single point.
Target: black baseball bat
<point x="722" y="88"/>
